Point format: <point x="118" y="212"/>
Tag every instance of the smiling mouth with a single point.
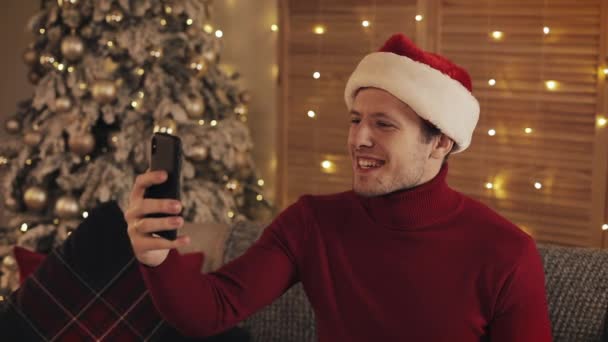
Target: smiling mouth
<point x="369" y="164"/>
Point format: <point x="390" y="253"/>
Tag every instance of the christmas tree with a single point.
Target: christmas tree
<point x="107" y="75"/>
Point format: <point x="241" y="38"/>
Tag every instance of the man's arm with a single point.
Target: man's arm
<point x="198" y="304"/>
<point x="521" y="310"/>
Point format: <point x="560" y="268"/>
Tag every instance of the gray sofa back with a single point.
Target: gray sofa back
<point x="576" y="283"/>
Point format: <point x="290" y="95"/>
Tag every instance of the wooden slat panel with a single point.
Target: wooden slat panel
<point x="559" y="152"/>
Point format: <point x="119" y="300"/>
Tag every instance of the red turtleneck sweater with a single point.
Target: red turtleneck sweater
<point x="426" y="264"/>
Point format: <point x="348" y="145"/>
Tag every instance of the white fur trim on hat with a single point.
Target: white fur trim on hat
<point x="433" y="95"/>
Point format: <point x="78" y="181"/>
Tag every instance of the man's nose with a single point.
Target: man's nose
<point x="362" y="136"/>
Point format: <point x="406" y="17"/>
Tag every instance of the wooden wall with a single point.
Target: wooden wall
<point x="565" y="149"/>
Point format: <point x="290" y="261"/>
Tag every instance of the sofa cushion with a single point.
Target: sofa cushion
<point x="577" y="291"/>
<point x="90" y="288"/>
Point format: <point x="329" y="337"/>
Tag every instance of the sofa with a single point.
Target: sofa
<point x="98" y="255"/>
<point x="576" y="285"/>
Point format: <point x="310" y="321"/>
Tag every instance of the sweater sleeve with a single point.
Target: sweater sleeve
<point x="200" y="305"/>
<point x="521" y="310"/>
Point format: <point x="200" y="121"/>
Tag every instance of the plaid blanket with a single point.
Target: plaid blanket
<point x="90" y="289"/>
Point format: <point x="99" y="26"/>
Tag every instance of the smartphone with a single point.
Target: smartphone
<point x="166" y="154"/>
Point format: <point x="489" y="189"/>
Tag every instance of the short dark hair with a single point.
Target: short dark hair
<point x="429" y="132"/>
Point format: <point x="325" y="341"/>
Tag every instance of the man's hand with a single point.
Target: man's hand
<point x="152" y="250"/>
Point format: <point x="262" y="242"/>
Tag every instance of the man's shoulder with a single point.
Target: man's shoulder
<point x="495" y="231"/>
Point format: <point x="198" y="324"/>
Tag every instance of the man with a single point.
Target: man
<point x="402" y="257"/>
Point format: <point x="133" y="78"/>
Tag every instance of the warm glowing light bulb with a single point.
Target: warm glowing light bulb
<point x="419" y="17"/>
<point x="208" y="28"/>
<point x="259" y="197"/>
<point x="605" y="226"/>
<point x="602" y="121"/>
<point x="24" y="227"/>
<point x="551" y="85"/>
<point x="492" y="82"/>
<point x="316" y="75"/>
<point x="497" y="35"/>
<point x="489" y="186"/>
<point x="319" y="29"/>
<point x="605" y="71"/>
<point x="492" y="132"/>
<point x="274" y="27"/>
<point x="528" y="130"/>
<point x="189" y="21"/>
<point x="326" y="164"/>
<point x="365" y="23"/>
<point x="219" y="33"/>
<point x="546" y="30"/>
<point x="85" y="214"/>
<point x="213" y="123"/>
<point x="538" y="185"/>
<point x="311" y="114"/>
<point x="230" y="214"/>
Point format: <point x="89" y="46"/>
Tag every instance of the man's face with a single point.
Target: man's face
<point x="386" y="145"/>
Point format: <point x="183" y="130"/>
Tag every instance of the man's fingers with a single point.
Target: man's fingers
<point x="153" y="225"/>
<point x="148" y="206"/>
<point x="144" y="181"/>
<point x="150" y="243"/>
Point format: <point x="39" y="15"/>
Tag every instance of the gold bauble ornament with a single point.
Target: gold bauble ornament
<point x="67" y="207"/>
<point x="12" y="126"/>
<point x="34" y="77"/>
<point x="166" y="125"/>
<point x="200" y="66"/>
<point x="114" y="17"/>
<point x="11" y="203"/>
<point x="245" y="97"/>
<point x="71" y="17"/>
<point x="32" y="139"/>
<point x="72" y="48"/>
<point x="103" y="91"/>
<point x="195" y="106"/>
<point x="30" y="57"/>
<point x="241" y="159"/>
<point x="199" y="153"/>
<point x="63" y="104"/>
<point x="9" y="261"/>
<point x="35" y="198"/>
<point x="82" y="144"/>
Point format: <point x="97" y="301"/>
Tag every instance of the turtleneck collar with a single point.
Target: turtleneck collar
<point x="418" y="207"/>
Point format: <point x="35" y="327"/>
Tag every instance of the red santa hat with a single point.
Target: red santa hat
<point x="438" y="90"/>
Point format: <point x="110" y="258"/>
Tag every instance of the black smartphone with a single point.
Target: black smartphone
<point x="166" y="154"/>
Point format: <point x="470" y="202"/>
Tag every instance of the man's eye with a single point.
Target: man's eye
<point x="384" y="124"/>
<point x="355" y="120"/>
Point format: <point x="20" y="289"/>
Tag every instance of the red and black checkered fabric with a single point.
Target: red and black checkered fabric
<point x="88" y="289"/>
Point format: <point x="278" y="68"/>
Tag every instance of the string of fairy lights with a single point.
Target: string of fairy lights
<point x="496" y="36"/>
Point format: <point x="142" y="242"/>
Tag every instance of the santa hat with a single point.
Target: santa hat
<point x="438" y="90"/>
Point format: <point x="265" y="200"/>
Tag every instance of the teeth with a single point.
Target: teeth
<point x="368" y="163"/>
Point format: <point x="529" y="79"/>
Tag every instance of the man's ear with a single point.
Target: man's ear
<point x="441" y="147"/>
